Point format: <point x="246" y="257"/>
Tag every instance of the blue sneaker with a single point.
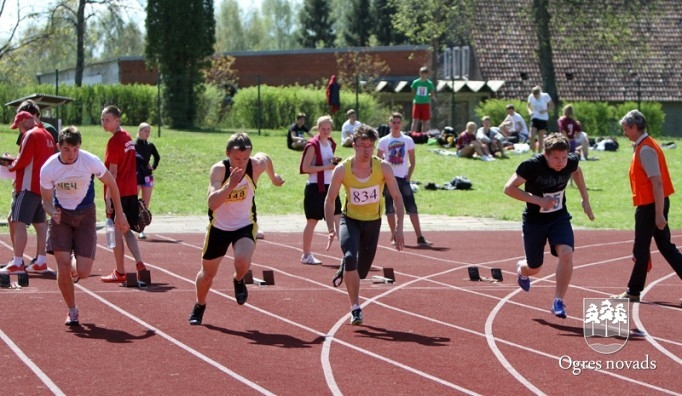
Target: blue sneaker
<point x="524" y="281"/>
<point x="559" y="308"/>
<point x="356" y="317"/>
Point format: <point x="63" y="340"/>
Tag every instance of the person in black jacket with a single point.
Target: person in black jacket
<point x="145" y="150"/>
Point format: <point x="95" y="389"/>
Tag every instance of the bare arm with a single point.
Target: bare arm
<point x="262" y="163"/>
<point x="309" y="163"/>
<point x="48" y="204"/>
<point x="217" y="193"/>
<point x="585" y="199"/>
<point x="112" y="188"/>
<point x="329" y="202"/>
<point x="513" y="189"/>
<point x="394" y="190"/>
<point x="413" y="163"/>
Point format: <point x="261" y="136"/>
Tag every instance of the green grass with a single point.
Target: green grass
<point x="186" y="157"/>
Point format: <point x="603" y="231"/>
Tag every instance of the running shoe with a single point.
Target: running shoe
<point x="625" y="294"/>
<point x="197" y="314"/>
<point x="421" y="241"/>
<point x="114" y="277"/>
<point x="524" y="281"/>
<point x="356" y="317"/>
<point x="72" y="318"/>
<point x="240" y="292"/>
<point x="35" y="268"/>
<point x="11" y="269"/>
<point x="559" y="308"/>
<point x="141" y="236"/>
<point x="310" y="259"/>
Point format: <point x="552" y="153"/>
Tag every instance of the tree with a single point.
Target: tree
<point x="358" y="23"/>
<point x="383" y="13"/>
<point x="316" y="28"/>
<point x="180" y="38"/>
<point x="362" y="65"/>
<point x="13" y="40"/>
<point x="279" y="22"/>
<point x="435" y="23"/>
<point x="230" y="31"/>
<point x="74" y="12"/>
<point x="115" y="37"/>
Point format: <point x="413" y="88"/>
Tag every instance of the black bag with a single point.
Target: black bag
<point x="461" y="183"/>
<point x="383" y="130"/>
<point x="144" y="217"/>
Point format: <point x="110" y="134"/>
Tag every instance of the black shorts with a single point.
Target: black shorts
<point x="217" y="241"/>
<point x="130" y="208"/>
<point x="540" y="125"/>
<point x="535" y="236"/>
<point x="313" y="202"/>
<point x="407" y="194"/>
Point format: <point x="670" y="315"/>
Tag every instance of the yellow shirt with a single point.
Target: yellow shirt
<point x="364" y="198"/>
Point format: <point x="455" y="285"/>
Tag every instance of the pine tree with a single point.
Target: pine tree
<point x="316" y="26"/>
<point x="180" y="38"/>
<point x="358" y="23"/>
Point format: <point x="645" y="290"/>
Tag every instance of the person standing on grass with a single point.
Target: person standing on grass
<point x="398" y="150"/>
<point x="539" y="106"/>
<point x="119" y="158"/>
<point x="68" y="196"/>
<point x="546" y="217"/>
<point x="363" y="177"/>
<point x="651" y="188"/>
<point x="423" y="91"/>
<point x="145" y="151"/>
<point x="318" y="161"/>
<point x="232" y="216"/>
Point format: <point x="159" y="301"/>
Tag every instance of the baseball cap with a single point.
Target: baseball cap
<point x="22" y="115"/>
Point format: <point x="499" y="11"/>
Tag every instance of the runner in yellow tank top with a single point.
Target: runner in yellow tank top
<point x="363" y="176"/>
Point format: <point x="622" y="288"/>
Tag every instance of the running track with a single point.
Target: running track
<point x="431" y="332"/>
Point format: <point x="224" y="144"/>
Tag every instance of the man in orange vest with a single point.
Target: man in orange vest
<point x="651" y="186"/>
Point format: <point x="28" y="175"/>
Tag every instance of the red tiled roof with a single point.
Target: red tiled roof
<point x="506" y="45"/>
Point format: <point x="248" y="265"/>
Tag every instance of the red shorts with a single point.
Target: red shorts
<point x="421" y="111"/>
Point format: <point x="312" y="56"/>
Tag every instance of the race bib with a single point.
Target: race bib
<point x="364" y="196"/>
<point x="558" y="204"/>
<point x="422" y="91"/>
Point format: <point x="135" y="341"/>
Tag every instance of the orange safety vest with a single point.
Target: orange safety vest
<point x="642" y="189"/>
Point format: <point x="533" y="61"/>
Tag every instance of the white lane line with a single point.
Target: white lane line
<point x="176" y="342"/>
<point x="32" y="366"/>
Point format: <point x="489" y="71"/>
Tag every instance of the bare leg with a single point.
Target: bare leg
<point x="415" y="123"/>
<point x="204" y="280"/>
<point x="564" y="270"/>
<point x="147" y="195"/>
<point x="541" y="140"/>
<point x="414" y="219"/>
<point x="308" y="232"/>
<point x="243" y="250"/>
<point x="20" y="238"/>
<point x="41" y="238"/>
<point x="134" y="248"/>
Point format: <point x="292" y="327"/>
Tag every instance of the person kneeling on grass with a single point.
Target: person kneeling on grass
<point x="232" y="215"/>
<point x="546" y="217"/>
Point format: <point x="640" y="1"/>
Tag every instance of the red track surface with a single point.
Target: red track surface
<point x="431" y="332"/>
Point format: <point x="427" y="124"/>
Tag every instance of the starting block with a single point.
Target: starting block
<point x="22" y="280"/>
<point x="132" y="280"/>
<point x="475" y="276"/>
<point x="267" y="280"/>
<point x="389" y="276"/>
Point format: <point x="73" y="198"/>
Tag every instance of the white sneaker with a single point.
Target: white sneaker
<point x="142" y="236"/>
<point x="310" y="259"/>
<point x="486" y="158"/>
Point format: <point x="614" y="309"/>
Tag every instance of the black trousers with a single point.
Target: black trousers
<point x="645" y="229"/>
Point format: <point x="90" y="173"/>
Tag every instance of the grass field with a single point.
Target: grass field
<point x="186" y="157"/>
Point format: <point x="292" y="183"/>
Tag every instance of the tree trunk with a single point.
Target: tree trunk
<point x="80" y="42"/>
<point x="543" y="19"/>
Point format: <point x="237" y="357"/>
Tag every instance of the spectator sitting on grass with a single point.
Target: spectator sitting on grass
<point x="491" y="137"/>
<point x="468" y="145"/>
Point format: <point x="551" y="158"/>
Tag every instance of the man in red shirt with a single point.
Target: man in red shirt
<point x="37" y="145"/>
<point x="119" y="158"/>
